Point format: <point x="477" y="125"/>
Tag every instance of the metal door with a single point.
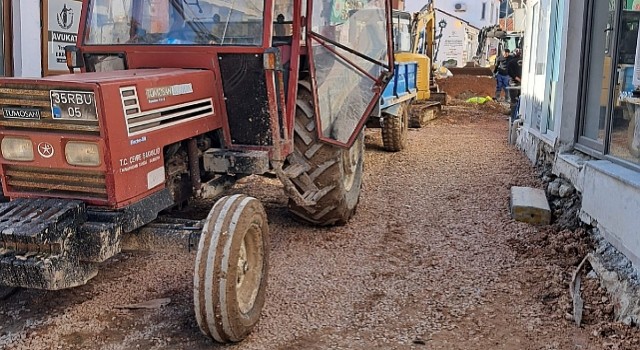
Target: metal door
<point x="350" y="61"/>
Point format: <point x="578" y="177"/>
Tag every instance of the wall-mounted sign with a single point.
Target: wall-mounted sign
<point x="62" y="19"/>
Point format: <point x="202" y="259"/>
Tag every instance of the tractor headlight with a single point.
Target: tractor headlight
<point x="82" y="153"/>
<point x="17" y="149"/>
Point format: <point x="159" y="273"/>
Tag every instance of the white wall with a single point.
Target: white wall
<point x="472" y="14"/>
<point x="414" y="5"/>
<point x="456" y="42"/>
<point x="610" y="192"/>
<point x="26" y="38"/>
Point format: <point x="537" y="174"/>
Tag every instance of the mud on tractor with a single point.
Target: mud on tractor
<point x="175" y="99"/>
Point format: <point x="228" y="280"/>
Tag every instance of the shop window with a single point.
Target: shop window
<point x="598" y="72"/>
<point x="610" y="111"/>
<point x="625" y="128"/>
<point x="553" y="59"/>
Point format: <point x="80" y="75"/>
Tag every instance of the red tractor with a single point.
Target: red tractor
<point x="177" y="99"/>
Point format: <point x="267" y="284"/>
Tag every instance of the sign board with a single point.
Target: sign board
<point x="452" y="44"/>
<point x="62" y="18"/>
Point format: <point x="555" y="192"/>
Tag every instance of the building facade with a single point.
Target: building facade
<point x="479" y="14"/>
<point x="460" y="24"/>
<point x="581" y="107"/>
<point x="458" y="40"/>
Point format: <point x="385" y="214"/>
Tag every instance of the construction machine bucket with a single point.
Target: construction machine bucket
<point x="351" y="61"/>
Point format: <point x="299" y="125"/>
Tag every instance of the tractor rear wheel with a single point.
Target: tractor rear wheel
<point x="333" y="175"/>
<point x="395" y="130"/>
<point x="230" y="277"/>
<point x="6" y="292"/>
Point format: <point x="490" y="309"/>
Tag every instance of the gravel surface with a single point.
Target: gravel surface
<point x="431" y="260"/>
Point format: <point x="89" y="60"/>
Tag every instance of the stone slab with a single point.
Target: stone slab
<point x="530" y="205"/>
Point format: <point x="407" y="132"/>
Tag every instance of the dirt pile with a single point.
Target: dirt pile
<point x="463" y="87"/>
<point x="552" y="255"/>
<point x="463" y="111"/>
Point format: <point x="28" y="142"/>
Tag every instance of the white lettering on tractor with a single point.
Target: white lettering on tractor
<point x="181" y="89"/>
<point x="21" y="113"/>
<point x="138" y="140"/>
<point x="139" y="160"/>
<point x="158" y="94"/>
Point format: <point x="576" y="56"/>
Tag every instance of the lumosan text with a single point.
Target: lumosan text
<point x="21" y="113"/>
<point x="73" y="98"/>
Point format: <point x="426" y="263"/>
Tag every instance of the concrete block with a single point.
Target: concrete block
<point x="617" y="278"/>
<point x="611" y="198"/>
<point x="569" y="166"/>
<point x="530" y="205"/>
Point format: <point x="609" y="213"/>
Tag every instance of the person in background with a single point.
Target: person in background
<point x="514" y="69"/>
<point x="502" y="75"/>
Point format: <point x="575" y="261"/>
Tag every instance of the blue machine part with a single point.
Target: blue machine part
<point x="627" y="85"/>
<point x="402" y="84"/>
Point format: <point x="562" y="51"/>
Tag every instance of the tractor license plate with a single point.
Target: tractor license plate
<point x="73" y="105"/>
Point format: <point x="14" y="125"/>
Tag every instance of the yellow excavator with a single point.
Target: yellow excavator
<point x="423" y="37"/>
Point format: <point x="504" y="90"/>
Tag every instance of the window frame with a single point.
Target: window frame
<point x="582" y="143"/>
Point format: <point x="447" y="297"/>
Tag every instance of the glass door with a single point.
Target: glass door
<point x="351" y="59"/>
<point x="598" y="73"/>
<point x="625" y="126"/>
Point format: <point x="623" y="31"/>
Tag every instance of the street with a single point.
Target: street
<point x="431" y="260"/>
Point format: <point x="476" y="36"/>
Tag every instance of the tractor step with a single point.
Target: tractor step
<point x="40" y="225"/>
<point x="49" y="244"/>
<point x="42" y="271"/>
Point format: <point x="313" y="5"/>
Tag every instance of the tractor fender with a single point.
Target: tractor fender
<point x="393" y="110"/>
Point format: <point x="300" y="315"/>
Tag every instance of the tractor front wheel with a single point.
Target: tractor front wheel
<point x="230" y="277"/>
<point x="333" y="175"/>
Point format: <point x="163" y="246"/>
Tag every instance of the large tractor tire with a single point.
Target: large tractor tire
<point x="6" y="292"/>
<point x="230" y="278"/>
<point x="633" y="137"/>
<point x="332" y="175"/>
<point x="395" y="130"/>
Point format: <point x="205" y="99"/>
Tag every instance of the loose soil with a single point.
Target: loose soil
<point x="464" y="87"/>
<point x="431" y="260"/>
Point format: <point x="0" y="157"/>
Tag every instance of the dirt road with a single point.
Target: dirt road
<point x="430" y="261"/>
